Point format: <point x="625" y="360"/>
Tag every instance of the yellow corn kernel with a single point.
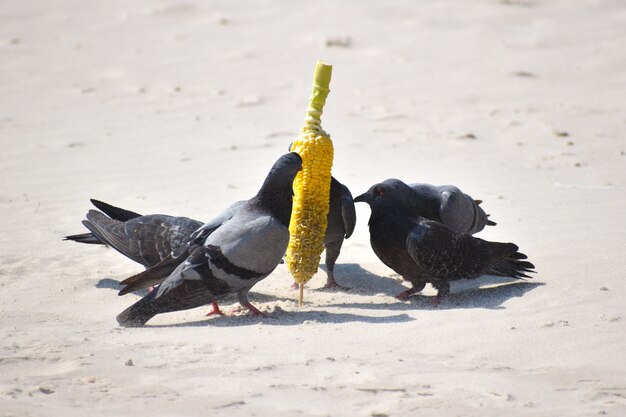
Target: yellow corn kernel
<point x="311" y="186"/>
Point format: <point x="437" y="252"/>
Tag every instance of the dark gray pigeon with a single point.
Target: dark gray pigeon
<point x="113" y="212"/>
<point x="148" y="240"/>
<point x="341" y="222"/>
<point x="231" y="258"/>
<point x="426" y="251"/>
<point x="445" y="204"/>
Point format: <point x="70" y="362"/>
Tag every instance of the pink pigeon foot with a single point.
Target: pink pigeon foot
<point x="215" y="310"/>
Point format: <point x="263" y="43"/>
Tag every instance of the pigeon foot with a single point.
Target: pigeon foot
<point x="331" y="284"/>
<point x="215" y="310"/>
<point x="254" y="312"/>
<point x="405" y="295"/>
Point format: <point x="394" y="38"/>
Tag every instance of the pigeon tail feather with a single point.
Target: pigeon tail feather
<point x="189" y="294"/>
<point x="152" y="276"/>
<point x="514" y="266"/>
<point x="88" y="238"/>
<point x="113" y="212"/>
<point x="139" y="313"/>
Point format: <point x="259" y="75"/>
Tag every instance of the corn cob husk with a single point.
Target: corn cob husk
<point x="311" y="186"/>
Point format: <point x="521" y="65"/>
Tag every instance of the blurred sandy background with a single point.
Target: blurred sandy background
<point x="181" y="107"/>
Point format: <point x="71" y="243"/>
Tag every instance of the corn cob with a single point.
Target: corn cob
<point x="311" y="186"/>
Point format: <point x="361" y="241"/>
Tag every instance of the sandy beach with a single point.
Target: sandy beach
<point x="181" y="107"/>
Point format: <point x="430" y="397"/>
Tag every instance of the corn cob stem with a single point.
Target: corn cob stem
<point x="311" y="186"/>
<point x="319" y="92"/>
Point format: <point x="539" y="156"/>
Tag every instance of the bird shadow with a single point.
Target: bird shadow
<point x="291" y="318"/>
<point x="481" y="297"/>
<point x="362" y="282"/>
<point x="113" y="284"/>
<point x="485" y="292"/>
<point x="109" y="283"/>
<point x="257" y="297"/>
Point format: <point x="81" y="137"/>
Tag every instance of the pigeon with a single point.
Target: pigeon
<point x="427" y="251"/>
<point x="148" y="240"/>
<point x="158" y="272"/>
<point x="231" y="258"/>
<point x="341" y="222"/>
<point x="445" y="204"/>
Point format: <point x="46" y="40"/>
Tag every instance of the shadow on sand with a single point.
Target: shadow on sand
<point x="486" y="292"/>
<point x="485" y="298"/>
<point x="293" y="318"/>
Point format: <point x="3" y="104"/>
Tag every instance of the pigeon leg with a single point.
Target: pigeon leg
<point x="331" y="283"/>
<point x="411" y="291"/>
<point x="332" y="253"/>
<point x="215" y="310"/>
<point x="243" y="300"/>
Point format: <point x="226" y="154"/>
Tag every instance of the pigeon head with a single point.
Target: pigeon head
<point x="384" y="196"/>
<point x="399" y="185"/>
<point x="277" y="189"/>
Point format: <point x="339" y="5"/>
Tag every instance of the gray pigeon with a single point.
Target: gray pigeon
<point x="158" y="272"/>
<point x="426" y="251"/>
<point x="148" y="237"/>
<point x="231" y="258"/>
<point x="445" y="204"/>
<point x="341" y="222"/>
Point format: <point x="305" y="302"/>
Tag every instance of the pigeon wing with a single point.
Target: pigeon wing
<point x="205" y="230"/>
<point x="460" y="212"/>
<point x="348" y="213"/>
<point x="151" y="276"/>
<point x="113" y="212"/>
<point x="146" y="239"/>
<point x="195" y="269"/>
<point x="445" y="254"/>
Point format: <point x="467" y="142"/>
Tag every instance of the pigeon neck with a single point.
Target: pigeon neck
<point x="278" y="200"/>
<point x="387" y="212"/>
<point x="427" y="209"/>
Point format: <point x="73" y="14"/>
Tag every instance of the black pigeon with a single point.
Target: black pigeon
<point x="341" y="222"/>
<point x="426" y="251"/>
<point x="232" y="258"/>
<point x="445" y="204"/>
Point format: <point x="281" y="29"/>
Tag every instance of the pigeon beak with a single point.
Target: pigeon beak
<point x="361" y="198"/>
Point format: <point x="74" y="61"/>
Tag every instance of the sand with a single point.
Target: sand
<point x="182" y="107"/>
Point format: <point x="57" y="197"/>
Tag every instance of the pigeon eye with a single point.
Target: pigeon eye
<point x="379" y="192"/>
